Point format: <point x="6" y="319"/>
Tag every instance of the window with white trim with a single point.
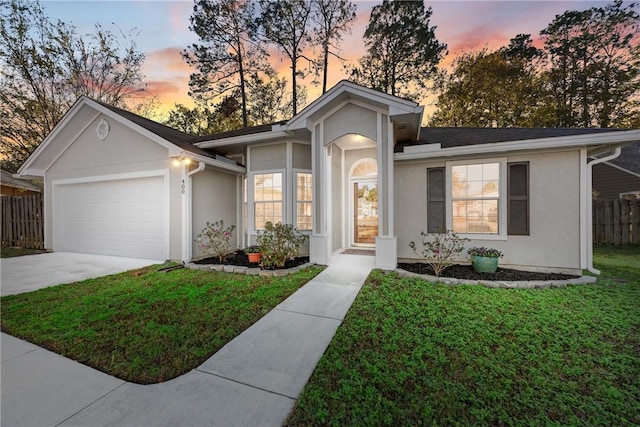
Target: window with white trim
<point x="304" y="200"/>
<point x="483" y="199"/>
<point x="267" y="199"/>
<point x="475" y="198"/>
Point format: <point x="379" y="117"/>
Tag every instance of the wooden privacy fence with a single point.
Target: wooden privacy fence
<point x="23" y="221"/>
<point x="616" y="221"/>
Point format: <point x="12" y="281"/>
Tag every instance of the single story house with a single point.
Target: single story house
<point x="353" y="169"/>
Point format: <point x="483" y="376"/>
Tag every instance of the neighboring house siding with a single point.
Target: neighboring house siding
<point x="554" y="207"/>
<point x="610" y="181"/>
<point x="214" y="199"/>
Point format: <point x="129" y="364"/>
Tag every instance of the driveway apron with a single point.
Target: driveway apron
<point x="33" y="272"/>
<point x="254" y="380"/>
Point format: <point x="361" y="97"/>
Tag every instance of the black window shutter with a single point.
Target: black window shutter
<point x="518" y="198"/>
<point x="436" y="219"/>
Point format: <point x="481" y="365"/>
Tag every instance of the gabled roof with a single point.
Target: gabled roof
<point x="181" y="139"/>
<point x="88" y="109"/>
<point x="407" y="116"/>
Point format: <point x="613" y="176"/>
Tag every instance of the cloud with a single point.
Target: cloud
<point x="169" y="59"/>
<point x="168" y="77"/>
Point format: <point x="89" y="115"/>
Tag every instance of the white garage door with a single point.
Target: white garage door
<point x="122" y="217"/>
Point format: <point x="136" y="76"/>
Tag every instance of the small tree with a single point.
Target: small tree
<point x="215" y="239"/>
<point x="440" y="252"/>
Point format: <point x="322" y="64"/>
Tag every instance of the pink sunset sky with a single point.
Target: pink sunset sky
<point x="163" y="28"/>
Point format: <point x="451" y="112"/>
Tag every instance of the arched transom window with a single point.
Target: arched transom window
<point x="365" y="169"/>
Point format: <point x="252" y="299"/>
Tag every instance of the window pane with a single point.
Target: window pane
<point x="491" y="171"/>
<point x="459" y="182"/>
<point x="475" y="194"/>
<point x="267" y="199"/>
<point x="474" y="172"/>
<point x="460" y="217"/>
<point x="304" y="195"/>
<point x="490" y="189"/>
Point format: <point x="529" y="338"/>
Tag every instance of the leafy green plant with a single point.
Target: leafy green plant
<point x="252" y="250"/>
<point x="279" y="243"/>
<point x="485" y="252"/>
<point x="215" y="239"/>
<point x="438" y="250"/>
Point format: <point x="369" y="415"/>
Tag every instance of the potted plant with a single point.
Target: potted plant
<point x="484" y="260"/>
<point x="253" y="253"/>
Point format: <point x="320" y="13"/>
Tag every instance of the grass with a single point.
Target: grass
<point x="10" y="252"/>
<point x="414" y="353"/>
<point x="146" y="326"/>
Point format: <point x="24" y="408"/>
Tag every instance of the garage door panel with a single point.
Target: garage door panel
<point x="119" y="217"/>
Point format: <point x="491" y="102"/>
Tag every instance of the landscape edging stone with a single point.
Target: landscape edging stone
<point x="250" y="271"/>
<point x="524" y="284"/>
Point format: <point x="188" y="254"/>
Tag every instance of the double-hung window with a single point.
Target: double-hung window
<point x="268" y="202"/>
<point x="304" y="201"/>
<point x="483" y="199"/>
<point x="476" y="194"/>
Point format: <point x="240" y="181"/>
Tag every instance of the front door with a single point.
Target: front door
<point x="365" y="212"/>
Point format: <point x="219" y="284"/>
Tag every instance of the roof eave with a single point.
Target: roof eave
<point x="216" y="163"/>
<point x="274" y="133"/>
<point x="589" y="140"/>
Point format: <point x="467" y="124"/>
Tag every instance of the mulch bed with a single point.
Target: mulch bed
<point x="459" y="271"/>
<point x="241" y="259"/>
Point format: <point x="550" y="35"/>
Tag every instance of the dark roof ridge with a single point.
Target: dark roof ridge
<point x="461" y="136"/>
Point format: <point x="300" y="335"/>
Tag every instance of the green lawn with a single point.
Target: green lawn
<point x="410" y="352"/>
<point x="146" y="326"/>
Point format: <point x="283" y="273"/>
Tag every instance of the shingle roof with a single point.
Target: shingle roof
<point x="629" y="158"/>
<point x="459" y="136"/>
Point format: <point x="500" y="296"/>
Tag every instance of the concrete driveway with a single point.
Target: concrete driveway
<point x="32" y="272"/>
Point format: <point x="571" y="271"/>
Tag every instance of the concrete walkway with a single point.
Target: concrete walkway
<point x="254" y="380"/>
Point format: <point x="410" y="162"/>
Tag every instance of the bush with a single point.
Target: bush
<point x="215" y="239"/>
<point x="279" y="243"/>
<point x="441" y="252"/>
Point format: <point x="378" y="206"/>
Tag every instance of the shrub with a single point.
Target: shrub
<point x="215" y="239"/>
<point x="278" y="243"/>
<point x="440" y="252"/>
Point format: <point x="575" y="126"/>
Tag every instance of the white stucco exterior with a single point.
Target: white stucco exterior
<point x="95" y="146"/>
<point x="555" y="198"/>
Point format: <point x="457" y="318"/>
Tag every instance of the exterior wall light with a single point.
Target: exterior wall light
<point x="182" y="160"/>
